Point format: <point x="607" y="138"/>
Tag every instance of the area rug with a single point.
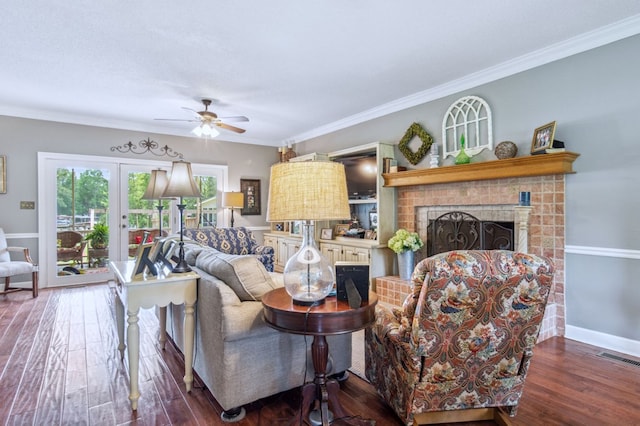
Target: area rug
<point x="357" y="354"/>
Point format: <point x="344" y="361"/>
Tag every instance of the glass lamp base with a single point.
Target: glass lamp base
<point x="306" y="302"/>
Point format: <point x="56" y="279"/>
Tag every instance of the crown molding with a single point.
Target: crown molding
<point x="605" y="35"/>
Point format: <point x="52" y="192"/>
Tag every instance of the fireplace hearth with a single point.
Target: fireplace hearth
<point x="538" y="229"/>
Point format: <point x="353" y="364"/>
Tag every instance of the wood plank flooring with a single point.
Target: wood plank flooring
<point x="59" y="365"/>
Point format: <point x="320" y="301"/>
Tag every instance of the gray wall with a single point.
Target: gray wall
<point x="22" y="139"/>
<point x="595" y="99"/>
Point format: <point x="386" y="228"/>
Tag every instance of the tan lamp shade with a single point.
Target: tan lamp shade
<point x="157" y="184"/>
<point x="314" y="190"/>
<point x="232" y="200"/>
<point x="181" y="183"/>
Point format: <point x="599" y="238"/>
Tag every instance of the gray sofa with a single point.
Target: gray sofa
<point x="237" y="355"/>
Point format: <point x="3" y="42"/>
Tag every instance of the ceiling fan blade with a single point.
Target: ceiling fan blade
<point x="190" y="109"/>
<point x="176" y="119"/>
<point x="235" y="118"/>
<point x="232" y="128"/>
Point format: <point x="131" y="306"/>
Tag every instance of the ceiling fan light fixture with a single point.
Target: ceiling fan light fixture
<point x="206" y="129"/>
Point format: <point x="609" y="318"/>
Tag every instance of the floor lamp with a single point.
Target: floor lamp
<point x="232" y="200"/>
<point x="157" y="184"/>
<point x="181" y="185"/>
<point x="308" y="191"/>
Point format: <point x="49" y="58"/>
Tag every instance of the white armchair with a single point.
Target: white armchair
<point x="10" y="268"/>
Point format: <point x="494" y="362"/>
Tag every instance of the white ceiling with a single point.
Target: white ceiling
<point x="297" y="69"/>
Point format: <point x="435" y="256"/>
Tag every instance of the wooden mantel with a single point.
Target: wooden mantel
<point x="533" y="165"/>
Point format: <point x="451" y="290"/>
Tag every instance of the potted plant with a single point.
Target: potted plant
<point x="99" y="236"/>
<point x="404" y="243"/>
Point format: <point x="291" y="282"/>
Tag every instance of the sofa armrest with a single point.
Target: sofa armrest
<point x="264" y="250"/>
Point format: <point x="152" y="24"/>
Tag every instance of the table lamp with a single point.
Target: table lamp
<point x="308" y="191"/>
<point x="232" y="200"/>
<point x="181" y="184"/>
<point x="157" y="184"/>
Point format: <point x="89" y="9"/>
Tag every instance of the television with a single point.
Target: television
<point x="362" y="175"/>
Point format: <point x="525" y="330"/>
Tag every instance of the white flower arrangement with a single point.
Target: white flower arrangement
<point x="404" y="240"/>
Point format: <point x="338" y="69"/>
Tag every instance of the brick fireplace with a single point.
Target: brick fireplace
<point x="545" y="234"/>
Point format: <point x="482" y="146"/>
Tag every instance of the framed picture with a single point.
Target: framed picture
<point x="164" y="251"/>
<point x="296" y="227"/>
<point x="145" y="256"/>
<point x="251" y="190"/>
<point x="3" y="174"/>
<point x="341" y="229"/>
<point x="543" y="138"/>
<point x="373" y="219"/>
<point x="370" y="234"/>
<point x="326" y="234"/>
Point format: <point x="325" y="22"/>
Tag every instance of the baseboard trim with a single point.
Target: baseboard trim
<point x="603" y="340"/>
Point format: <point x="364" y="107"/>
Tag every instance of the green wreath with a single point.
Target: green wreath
<point x="415" y="130"/>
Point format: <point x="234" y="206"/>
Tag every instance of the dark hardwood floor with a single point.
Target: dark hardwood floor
<point x="59" y="365"/>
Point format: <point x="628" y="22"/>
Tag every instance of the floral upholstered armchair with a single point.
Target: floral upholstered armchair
<point x="459" y="348"/>
<point x="237" y="240"/>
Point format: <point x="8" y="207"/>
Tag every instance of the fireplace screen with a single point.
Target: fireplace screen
<point x="461" y="231"/>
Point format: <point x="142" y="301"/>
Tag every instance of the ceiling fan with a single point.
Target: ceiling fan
<point x="209" y="120"/>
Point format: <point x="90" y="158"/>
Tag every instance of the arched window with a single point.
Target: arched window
<point x="470" y="116"/>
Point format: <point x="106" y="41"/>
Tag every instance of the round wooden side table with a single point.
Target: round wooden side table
<point x="332" y="317"/>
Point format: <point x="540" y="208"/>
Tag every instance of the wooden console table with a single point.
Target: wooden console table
<point x="332" y="317"/>
<point x="131" y="295"/>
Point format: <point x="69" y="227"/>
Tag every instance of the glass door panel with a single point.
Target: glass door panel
<point x="84" y="197"/>
<point x="143" y="216"/>
<point x="78" y="226"/>
<point x="82" y="219"/>
<point x="202" y="212"/>
<point x="141" y="220"/>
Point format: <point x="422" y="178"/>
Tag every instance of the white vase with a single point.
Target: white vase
<point x="405" y="264"/>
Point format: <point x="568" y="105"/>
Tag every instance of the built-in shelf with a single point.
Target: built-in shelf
<point x="533" y="165"/>
<point x="363" y="201"/>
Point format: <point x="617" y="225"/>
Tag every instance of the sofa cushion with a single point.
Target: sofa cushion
<point x="246" y="275"/>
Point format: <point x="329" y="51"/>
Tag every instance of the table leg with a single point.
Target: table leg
<point x="162" y="320"/>
<point x="120" y="325"/>
<point x="308" y="397"/>
<point x="326" y="391"/>
<point x="188" y="345"/>
<point x="133" y="341"/>
<point x="320" y="355"/>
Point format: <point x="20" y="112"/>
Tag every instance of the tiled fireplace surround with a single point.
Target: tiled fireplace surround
<point x="545" y="236"/>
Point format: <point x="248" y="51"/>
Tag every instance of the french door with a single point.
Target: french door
<point x="81" y="194"/>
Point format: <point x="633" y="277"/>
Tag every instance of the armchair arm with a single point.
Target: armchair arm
<point x="25" y="252"/>
<point x="391" y="364"/>
<point x="388" y="322"/>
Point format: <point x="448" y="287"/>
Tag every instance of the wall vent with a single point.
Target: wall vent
<point x="619" y="358"/>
